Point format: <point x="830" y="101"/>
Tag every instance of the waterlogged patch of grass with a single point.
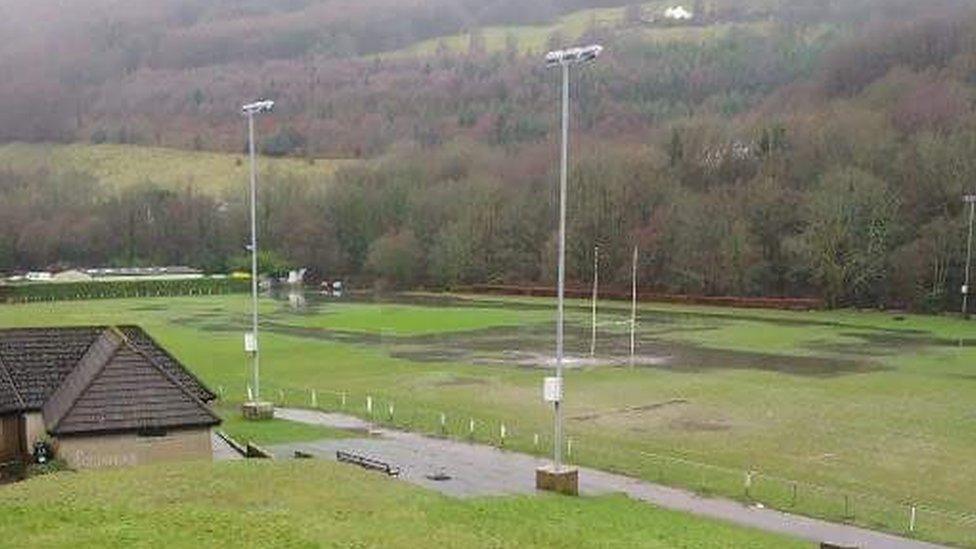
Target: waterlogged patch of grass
<point x="316" y="503"/>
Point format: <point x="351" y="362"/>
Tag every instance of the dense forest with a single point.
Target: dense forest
<point x="801" y="147"/>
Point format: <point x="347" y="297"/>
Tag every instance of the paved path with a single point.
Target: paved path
<point x="479" y="470"/>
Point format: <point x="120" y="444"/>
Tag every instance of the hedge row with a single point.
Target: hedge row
<point x="25" y="293"/>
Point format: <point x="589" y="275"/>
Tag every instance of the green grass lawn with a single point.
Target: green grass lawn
<point x="314" y="503"/>
<point x="864" y="405"/>
<point x="120" y="166"/>
<point x="275" y="431"/>
<point x="406" y="320"/>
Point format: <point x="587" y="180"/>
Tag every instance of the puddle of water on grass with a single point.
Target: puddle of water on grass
<point x="531" y="346"/>
<point x="630" y="410"/>
<point x="149" y="308"/>
<point x="461" y="382"/>
<point x="876" y="343"/>
<point x="699" y="426"/>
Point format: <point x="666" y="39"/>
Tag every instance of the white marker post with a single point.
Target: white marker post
<point x="250" y="350"/>
<point x="552" y="391"/>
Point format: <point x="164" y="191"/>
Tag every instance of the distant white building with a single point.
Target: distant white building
<point x="145" y="273"/>
<point x="39" y="276"/>
<point x="296" y="277"/>
<point x="71" y="275"/>
<point x="678" y="13"/>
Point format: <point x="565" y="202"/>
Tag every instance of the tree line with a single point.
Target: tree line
<point x="877" y="224"/>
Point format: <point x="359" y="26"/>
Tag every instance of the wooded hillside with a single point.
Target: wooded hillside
<point x="808" y="147"/>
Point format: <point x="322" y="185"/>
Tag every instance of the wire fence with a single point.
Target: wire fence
<point x="905" y="517"/>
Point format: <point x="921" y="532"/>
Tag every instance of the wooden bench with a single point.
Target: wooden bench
<point x="367" y="462"/>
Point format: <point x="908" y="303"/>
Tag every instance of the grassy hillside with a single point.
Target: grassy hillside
<point x="304" y="504"/>
<point x="529" y="38"/>
<point x="119" y="166"/>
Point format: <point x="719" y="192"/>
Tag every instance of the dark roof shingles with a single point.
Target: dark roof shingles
<point x="146" y="344"/>
<point x="36" y="362"/>
<point x="94" y="359"/>
<point x="130" y="392"/>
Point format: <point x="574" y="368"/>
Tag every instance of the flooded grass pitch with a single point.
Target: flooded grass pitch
<point x="888" y="397"/>
<point x="527" y="342"/>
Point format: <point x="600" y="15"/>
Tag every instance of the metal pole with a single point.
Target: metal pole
<point x="564" y="167"/>
<point x="596" y="285"/>
<point x="254" y="257"/>
<point x="633" y="310"/>
<point x="969" y="255"/>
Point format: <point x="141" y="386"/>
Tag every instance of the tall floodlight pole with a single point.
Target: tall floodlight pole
<point x="971" y="200"/>
<point x="596" y="286"/>
<point x="554" y="386"/>
<point x="251" y="342"/>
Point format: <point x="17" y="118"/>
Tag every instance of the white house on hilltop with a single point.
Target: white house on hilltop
<point x="678" y="13"/>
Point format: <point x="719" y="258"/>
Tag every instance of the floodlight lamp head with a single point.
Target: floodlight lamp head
<point x="572" y="56"/>
<point x="258" y="107"/>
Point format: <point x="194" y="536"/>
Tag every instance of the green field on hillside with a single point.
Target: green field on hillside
<point x="844" y="415"/>
<point x="534" y="39"/>
<point x="119" y="166"/>
<point x="312" y="504"/>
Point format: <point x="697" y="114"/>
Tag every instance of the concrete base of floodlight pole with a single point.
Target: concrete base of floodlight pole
<point x="257" y="411"/>
<point x="564" y="481"/>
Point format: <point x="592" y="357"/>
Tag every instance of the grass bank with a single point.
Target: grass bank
<point x="310" y="504"/>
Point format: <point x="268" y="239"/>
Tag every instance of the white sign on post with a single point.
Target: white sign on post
<point x="552" y="391"/>
<point x="250" y="343"/>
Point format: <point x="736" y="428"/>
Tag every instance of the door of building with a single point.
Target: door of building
<point x="12" y="439"/>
